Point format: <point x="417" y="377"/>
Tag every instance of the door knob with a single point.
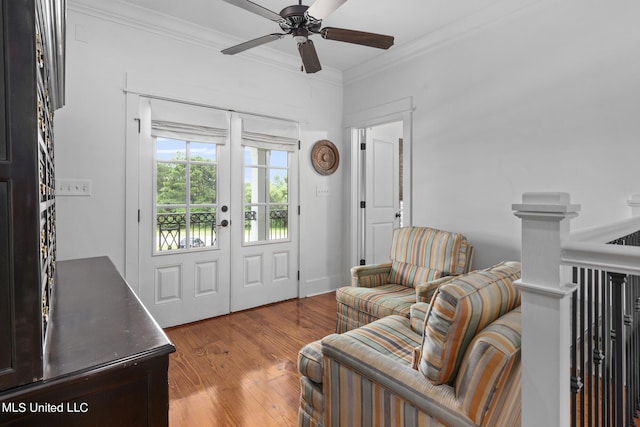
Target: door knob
<point x="223" y="223"/>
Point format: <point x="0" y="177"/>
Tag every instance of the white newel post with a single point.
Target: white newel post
<point x="634" y="204"/>
<point x="545" y="309"/>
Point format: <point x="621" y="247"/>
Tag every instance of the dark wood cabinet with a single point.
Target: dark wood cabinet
<point x="31" y="91"/>
<point x="106" y="360"/>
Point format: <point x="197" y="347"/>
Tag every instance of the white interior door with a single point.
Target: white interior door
<point x="382" y="190"/>
<point x="264" y="244"/>
<point x="184" y="207"/>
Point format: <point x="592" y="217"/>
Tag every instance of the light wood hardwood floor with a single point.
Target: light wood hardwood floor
<point x="241" y="369"/>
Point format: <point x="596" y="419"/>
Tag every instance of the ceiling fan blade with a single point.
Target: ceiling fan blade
<point x="252" y="43"/>
<point x="357" y="37"/>
<point x="309" y="57"/>
<point x="255" y="8"/>
<point x="320" y="9"/>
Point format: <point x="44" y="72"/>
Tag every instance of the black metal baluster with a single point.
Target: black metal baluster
<point x="574" y="350"/>
<point x="581" y="331"/>
<point x="636" y="346"/>
<point x="589" y="392"/>
<point x="617" y="282"/>
<point x="628" y="322"/>
<point x="607" y="344"/>
<point x="598" y="354"/>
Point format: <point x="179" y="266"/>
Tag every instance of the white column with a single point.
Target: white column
<point x="545" y="309"/>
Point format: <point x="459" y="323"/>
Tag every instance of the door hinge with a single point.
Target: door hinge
<point x="138" y="215"/>
<point x="138" y="120"/>
<point x="298" y="275"/>
<point x="298" y="144"/>
<point x="363" y="205"/>
<point x="298" y="209"/>
<point x="362" y="262"/>
<point x="363" y="146"/>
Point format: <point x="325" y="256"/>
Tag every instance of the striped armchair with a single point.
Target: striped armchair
<point x="454" y="362"/>
<point x="421" y="260"/>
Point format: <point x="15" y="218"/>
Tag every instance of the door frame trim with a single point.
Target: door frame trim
<point x="394" y="111"/>
<point x="132" y="190"/>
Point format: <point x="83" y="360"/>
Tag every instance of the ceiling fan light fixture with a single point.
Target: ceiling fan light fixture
<point x="300" y="35"/>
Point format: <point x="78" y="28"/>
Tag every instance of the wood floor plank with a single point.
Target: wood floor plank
<point x="241" y="369"/>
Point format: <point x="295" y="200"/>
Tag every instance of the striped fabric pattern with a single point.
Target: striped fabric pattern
<point x="311" y="411"/>
<point x="429" y="247"/>
<point x="460" y="309"/>
<point x="491" y="354"/>
<point x="410" y="275"/>
<point x="363" y="304"/>
<point x="465" y="257"/>
<point x="370" y="276"/>
<point x="417" y="314"/>
<point x="358" y="401"/>
<point x="348" y="318"/>
<point x="425" y="291"/>
<point x="391" y="336"/>
<point x="310" y="361"/>
<point x="366" y="388"/>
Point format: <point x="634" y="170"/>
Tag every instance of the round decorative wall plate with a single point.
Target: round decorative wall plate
<point x="325" y="157"/>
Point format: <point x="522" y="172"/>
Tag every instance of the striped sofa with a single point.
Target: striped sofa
<point x="454" y="362"/>
<point x="421" y="259"/>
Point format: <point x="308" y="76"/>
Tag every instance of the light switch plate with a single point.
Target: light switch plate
<point x="322" y="191"/>
<point x="73" y="187"/>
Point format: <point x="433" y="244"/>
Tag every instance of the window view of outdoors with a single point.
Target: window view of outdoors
<point x="266" y="195"/>
<point x="186" y="186"/>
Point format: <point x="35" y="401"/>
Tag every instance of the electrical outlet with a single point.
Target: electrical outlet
<point x="322" y="192"/>
<point x="73" y="187"/>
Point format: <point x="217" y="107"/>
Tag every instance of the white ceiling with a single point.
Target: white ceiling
<point x="406" y="20"/>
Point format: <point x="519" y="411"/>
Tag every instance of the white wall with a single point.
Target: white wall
<point x="156" y="55"/>
<point x="546" y="100"/>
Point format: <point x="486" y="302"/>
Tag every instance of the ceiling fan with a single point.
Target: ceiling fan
<point x="303" y="21"/>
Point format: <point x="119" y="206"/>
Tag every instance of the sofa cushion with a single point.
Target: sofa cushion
<point x="460" y="309"/>
<point x="431" y="248"/>
<point x="492" y="352"/>
<point x="379" y="301"/>
<point x="391" y="336"/>
<point x="410" y="275"/>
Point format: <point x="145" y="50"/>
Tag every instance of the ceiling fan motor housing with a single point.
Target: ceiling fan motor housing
<point x="294" y="17"/>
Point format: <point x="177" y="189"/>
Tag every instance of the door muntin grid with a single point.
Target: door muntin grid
<point x="185" y="195"/>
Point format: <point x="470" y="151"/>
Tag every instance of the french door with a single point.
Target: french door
<point x="217" y="231"/>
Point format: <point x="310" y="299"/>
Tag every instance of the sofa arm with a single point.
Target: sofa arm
<point x="425" y="291"/>
<point x="370" y="276"/>
<point x="357" y="380"/>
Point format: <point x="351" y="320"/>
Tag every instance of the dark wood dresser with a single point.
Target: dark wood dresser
<point x="105" y="358"/>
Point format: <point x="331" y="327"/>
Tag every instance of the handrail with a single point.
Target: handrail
<point x="608" y="232"/>
<point x="588" y="248"/>
<point x="600" y="256"/>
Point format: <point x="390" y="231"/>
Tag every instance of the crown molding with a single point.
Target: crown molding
<point x="499" y="11"/>
<point x="133" y="16"/>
